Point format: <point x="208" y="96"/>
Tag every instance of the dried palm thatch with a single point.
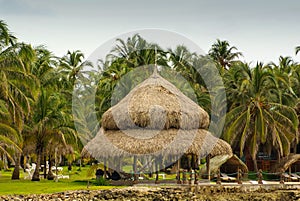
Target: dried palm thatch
<point x="215" y="163"/>
<point x="285" y="163"/>
<point x="155" y="119"/>
<point x="155" y="104"/>
<point x="123" y="143"/>
<point x="235" y="163"/>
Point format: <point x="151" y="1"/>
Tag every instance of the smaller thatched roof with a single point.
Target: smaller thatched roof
<point x="215" y="163"/>
<point x="285" y="163"/>
<point x="121" y="143"/>
<point x="235" y="163"/>
<point x="225" y="160"/>
<point x="155" y="104"/>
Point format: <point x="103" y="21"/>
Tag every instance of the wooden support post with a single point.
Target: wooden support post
<point x="196" y="167"/>
<point x="281" y="177"/>
<point x="156" y="171"/>
<point x="184" y="180"/>
<point x="208" y="166"/>
<point x="178" y="171"/>
<point x="219" y="176"/>
<point x="196" y="177"/>
<point x="239" y="176"/>
<point x="105" y="170"/>
<point x="192" y="177"/>
<point x="260" y="177"/>
<point x="135" y="176"/>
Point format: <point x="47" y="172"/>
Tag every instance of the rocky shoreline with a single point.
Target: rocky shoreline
<point x="163" y="193"/>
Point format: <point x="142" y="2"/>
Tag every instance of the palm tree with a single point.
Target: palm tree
<point x="135" y="51"/>
<point x="223" y="54"/>
<point x="17" y="87"/>
<point x="192" y="67"/>
<point x="284" y="78"/>
<point x="9" y="135"/>
<point x="71" y="66"/>
<point x="51" y="120"/>
<point x="297" y="49"/>
<point x="6" y="38"/>
<point x="254" y="118"/>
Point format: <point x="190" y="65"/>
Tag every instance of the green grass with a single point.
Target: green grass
<point x="78" y="181"/>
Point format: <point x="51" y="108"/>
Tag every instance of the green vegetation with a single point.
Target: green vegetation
<point x="78" y="181"/>
<point x="36" y="114"/>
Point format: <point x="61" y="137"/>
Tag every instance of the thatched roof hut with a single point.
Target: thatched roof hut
<point x="285" y="163"/>
<point x="155" y="119"/>
<point x="233" y="164"/>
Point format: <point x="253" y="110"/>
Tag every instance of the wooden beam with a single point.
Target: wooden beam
<point x="208" y="166"/>
<point x="135" y="176"/>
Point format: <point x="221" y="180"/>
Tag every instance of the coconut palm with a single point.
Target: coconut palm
<point x="17" y="88"/>
<point x="297" y="49"/>
<point x="71" y="66"/>
<point x="255" y="119"/>
<point x="192" y="67"/>
<point x="224" y="54"/>
<point x="284" y="78"/>
<point x="123" y="58"/>
<point x="6" y="38"/>
<point x="51" y="120"/>
<point x="17" y="83"/>
<point x="135" y="51"/>
<point x="9" y="136"/>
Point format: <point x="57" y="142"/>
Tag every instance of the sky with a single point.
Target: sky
<point x="261" y="30"/>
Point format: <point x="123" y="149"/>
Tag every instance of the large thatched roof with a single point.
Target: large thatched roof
<point x="155" y="104"/>
<point x="155" y="119"/>
<point x="122" y="143"/>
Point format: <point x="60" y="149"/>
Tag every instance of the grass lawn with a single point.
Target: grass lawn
<point x="78" y="181"/>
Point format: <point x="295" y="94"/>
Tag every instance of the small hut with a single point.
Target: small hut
<point x="155" y="120"/>
<point x="286" y="164"/>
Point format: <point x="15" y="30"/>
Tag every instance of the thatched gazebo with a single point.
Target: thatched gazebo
<point x="226" y="164"/>
<point x="155" y="120"/>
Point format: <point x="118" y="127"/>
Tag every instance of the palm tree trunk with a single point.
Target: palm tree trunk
<point x="16" y="172"/>
<point x="36" y="174"/>
<point x="5" y="162"/>
<point x="255" y="164"/>
<point x="50" y="175"/>
<point x="45" y="166"/>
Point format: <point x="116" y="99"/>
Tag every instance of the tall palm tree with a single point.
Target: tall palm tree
<point x="6" y="38"/>
<point x="255" y="119"/>
<point x="9" y="136"/>
<point x="71" y="66"/>
<point x="284" y="78"/>
<point x="297" y="49"/>
<point x="17" y="86"/>
<point x="135" y="51"/>
<point x="224" y="54"/>
<point x="51" y="120"/>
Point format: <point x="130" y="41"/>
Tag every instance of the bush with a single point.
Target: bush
<point x="100" y="181"/>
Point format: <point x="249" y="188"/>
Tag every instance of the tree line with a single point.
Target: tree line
<point x="260" y="109"/>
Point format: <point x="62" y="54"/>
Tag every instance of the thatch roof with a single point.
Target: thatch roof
<point x="155" y="119"/>
<point x="122" y="143"/>
<point x="235" y="163"/>
<point x="231" y="161"/>
<point x="215" y="163"/>
<point x="155" y="104"/>
<point x="285" y="163"/>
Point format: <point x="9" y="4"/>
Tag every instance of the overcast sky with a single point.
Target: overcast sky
<point x="262" y="30"/>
